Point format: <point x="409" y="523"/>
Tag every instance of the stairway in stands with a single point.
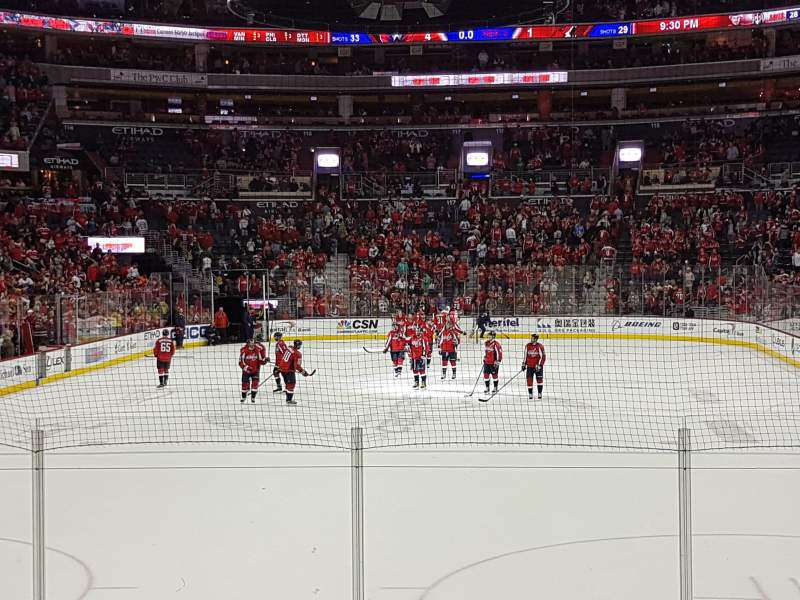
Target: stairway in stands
<point x="337" y="273"/>
<point x="158" y="241"/>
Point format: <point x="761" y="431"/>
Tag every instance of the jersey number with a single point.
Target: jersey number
<point x="165" y="347"/>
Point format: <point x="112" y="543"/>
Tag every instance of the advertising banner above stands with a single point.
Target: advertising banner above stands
<point x="672" y="25"/>
<point x="15" y="160"/>
<point x="479" y="79"/>
<point x="172" y="79"/>
<point x="782" y="63"/>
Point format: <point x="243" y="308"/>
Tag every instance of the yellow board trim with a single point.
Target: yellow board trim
<point x="375" y="336"/>
<point x="83" y="370"/>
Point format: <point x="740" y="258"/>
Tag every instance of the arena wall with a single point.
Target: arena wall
<point x="761" y="338"/>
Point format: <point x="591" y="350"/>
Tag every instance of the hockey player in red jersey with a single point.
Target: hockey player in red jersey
<point x="396" y="344"/>
<point x="439" y="322"/>
<point x="416" y="349"/>
<point x="291" y="367"/>
<point x="281" y="356"/>
<point x="452" y="318"/>
<point x="163" y="350"/>
<point x="535" y="358"/>
<point x="492" y="357"/>
<point x="251" y="358"/>
<point x="448" y="345"/>
<point x="428" y="335"/>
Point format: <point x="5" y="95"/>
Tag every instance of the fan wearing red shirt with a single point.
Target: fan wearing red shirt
<point x="163" y="350"/>
<point x="533" y="364"/>
<point x="492" y="357"/>
<point x="251" y="357"/>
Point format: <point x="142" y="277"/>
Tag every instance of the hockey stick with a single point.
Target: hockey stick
<point x="311" y="374"/>
<point x="477" y="379"/>
<point x="501" y="387"/>
<point x="371" y="350"/>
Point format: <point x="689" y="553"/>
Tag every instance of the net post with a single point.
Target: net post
<point x="685" y="510"/>
<point x="357" y="501"/>
<point x="37" y="470"/>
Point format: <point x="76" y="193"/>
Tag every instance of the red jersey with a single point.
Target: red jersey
<point x="295" y="362"/>
<point x="439" y="321"/>
<point x="534" y="354"/>
<point x="282" y="355"/>
<point x="492" y="352"/>
<point x="450" y="341"/>
<point x="396" y="341"/>
<point x="164" y="349"/>
<point x="251" y="359"/>
<point x="416" y="347"/>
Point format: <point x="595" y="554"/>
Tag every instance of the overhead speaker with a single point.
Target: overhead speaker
<point x="391" y="12"/>
<point x="370" y="11"/>
<point x="431" y="10"/>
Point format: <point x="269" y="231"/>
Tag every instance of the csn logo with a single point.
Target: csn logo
<point x="357" y="325"/>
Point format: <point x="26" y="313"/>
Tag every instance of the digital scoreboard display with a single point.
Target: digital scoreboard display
<point x="672" y="25"/>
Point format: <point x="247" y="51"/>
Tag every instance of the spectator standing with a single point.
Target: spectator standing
<point x="180" y="327"/>
<point x="28" y="327"/>
<point x="221" y="323"/>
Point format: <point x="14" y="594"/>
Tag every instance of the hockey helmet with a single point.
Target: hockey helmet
<point x="297" y="343"/>
<point x="534" y="337"/>
<point x="492" y="335"/>
<point x="165" y="332"/>
<point x="277" y="335"/>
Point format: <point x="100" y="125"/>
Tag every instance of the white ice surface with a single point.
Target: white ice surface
<point x="245" y="521"/>
<point x="610" y="393"/>
<point x="241" y="523"/>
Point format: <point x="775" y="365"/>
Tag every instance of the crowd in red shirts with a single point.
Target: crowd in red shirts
<point x="44" y="253"/>
<point x="682" y="244"/>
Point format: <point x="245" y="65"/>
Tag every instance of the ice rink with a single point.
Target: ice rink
<point x="450" y="514"/>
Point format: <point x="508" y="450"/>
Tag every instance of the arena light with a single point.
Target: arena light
<point x="477" y="159"/>
<point x="117" y="245"/>
<point x="328" y="160"/>
<point x="631" y="154"/>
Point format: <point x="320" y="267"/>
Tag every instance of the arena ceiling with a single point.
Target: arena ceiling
<point x="394" y="15"/>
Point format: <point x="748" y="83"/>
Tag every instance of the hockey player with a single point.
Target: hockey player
<point x="452" y="318"/>
<point x="492" y="357"/>
<point x="534" y="360"/>
<point x="251" y="358"/>
<point x="439" y="321"/>
<point x="163" y="350"/>
<point x="281" y="356"/>
<point x="428" y="335"/>
<point x="290" y="369"/>
<point x="482" y="323"/>
<point x="396" y="344"/>
<point x="416" y="349"/>
<point x="448" y="345"/>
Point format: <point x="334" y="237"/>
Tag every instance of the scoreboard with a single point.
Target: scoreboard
<point x="277" y="37"/>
